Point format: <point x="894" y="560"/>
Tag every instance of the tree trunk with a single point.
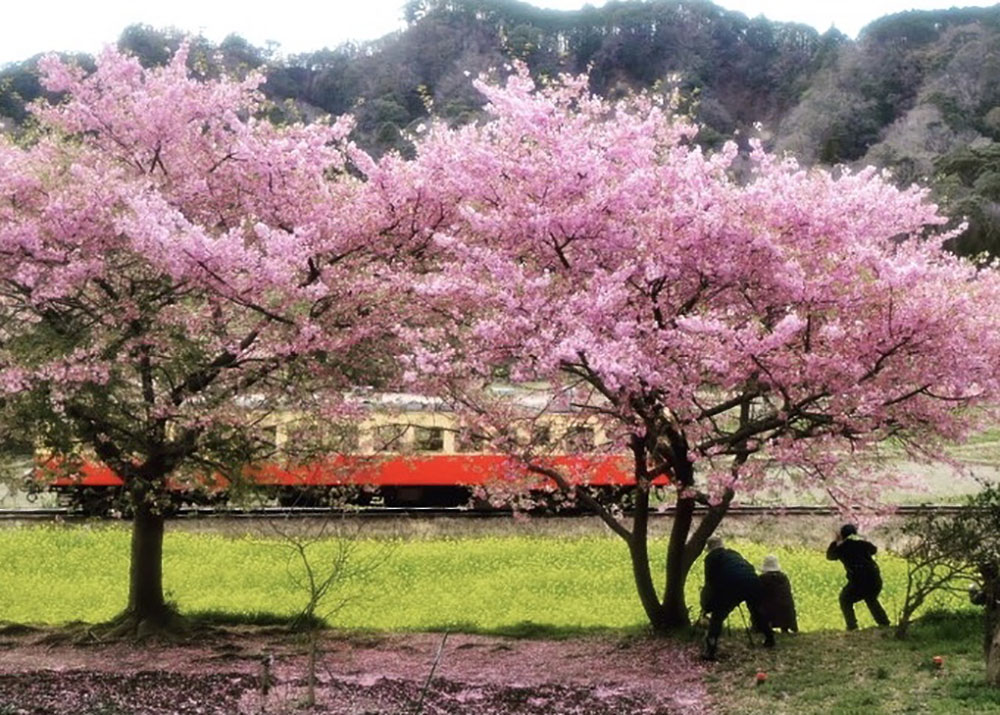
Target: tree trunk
<point x="311" y="675"/>
<point x="674" y="604"/>
<point x="145" y="598"/>
<point x="638" y="547"/>
<point x="903" y="626"/>
<point x="991" y="622"/>
<point x="993" y="659"/>
<point x="991" y="587"/>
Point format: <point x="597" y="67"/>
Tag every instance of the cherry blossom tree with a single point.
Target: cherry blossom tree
<point x="174" y="267"/>
<point x="735" y="322"/>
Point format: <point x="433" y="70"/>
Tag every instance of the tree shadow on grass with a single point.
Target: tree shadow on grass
<point x="198" y="624"/>
<point x="260" y="619"/>
<point x="193" y="626"/>
<point x="530" y="630"/>
<point x="942" y="625"/>
<point x="17" y="629"/>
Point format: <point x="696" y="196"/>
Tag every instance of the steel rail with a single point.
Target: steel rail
<point x="67" y="514"/>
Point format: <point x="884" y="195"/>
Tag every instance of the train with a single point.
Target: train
<point x="399" y="451"/>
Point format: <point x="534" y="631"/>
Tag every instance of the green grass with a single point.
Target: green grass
<point x="501" y="585"/>
<point x="866" y="671"/>
<point x="535" y="587"/>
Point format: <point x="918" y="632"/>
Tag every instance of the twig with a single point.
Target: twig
<point x="746" y="628"/>
<point x="430" y="675"/>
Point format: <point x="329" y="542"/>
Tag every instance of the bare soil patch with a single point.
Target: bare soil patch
<point x="220" y="672"/>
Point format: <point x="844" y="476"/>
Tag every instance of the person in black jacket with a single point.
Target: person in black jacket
<point x="777" y="604"/>
<point x="864" y="581"/>
<point x="729" y="581"/>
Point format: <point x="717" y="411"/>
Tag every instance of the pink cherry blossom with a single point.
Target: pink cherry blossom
<point x="740" y="323"/>
<point x="170" y="258"/>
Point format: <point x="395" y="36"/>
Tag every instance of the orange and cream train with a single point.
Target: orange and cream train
<point x="403" y="451"/>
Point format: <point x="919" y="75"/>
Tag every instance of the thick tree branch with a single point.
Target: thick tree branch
<point x="199" y="380"/>
<point x="606" y="516"/>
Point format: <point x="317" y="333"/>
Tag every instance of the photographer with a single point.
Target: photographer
<point x="864" y="581"/>
<point x="729" y="580"/>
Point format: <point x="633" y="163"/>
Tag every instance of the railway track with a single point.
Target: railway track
<point x="66" y="514"/>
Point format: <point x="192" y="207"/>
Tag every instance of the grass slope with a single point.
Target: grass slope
<point x="866" y="671"/>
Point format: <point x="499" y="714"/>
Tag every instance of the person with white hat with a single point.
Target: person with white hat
<point x="729" y="581"/>
<point x="777" y="605"/>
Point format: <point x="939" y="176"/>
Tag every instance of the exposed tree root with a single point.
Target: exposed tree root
<point x="167" y="625"/>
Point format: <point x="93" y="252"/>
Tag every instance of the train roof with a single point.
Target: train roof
<point x="527" y="396"/>
<point x="530" y="397"/>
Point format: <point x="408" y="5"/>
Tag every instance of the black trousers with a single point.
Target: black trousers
<point x="721" y="612"/>
<point x="867" y="592"/>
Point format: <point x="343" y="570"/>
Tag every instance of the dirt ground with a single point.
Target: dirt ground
<point x="220" y="672"/>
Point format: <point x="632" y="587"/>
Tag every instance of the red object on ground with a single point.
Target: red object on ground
<point x="938" y="661"/>
<point x="761" y="677"/>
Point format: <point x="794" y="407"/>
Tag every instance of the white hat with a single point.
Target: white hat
<point x="770" y="564"/>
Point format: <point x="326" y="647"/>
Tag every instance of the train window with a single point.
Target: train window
<point x="304" y="439"/>
<point x="428" y="439"/>
<point x="342" y="439"/>
<point x="269" y="437"/>
<point x="578" y="439"/>
<point x="541" y="436"/>
<point x="390" y="438"/>
<point x="469" y="442"/>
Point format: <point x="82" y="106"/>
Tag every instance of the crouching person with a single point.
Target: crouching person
<point x="777" y="605"/>
<point x="729" y="581"/>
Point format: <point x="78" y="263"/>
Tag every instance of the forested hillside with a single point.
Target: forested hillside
<point x="917" y="93"/>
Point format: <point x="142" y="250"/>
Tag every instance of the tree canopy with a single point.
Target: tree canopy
<point x="729" y="325"/>
<point x="175" y="267"/>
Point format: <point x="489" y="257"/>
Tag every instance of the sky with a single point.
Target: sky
<point x="28" y="28"/>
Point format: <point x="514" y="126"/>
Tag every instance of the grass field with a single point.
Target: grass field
<point x="534" y="586"/>
<point x="865" y="672"/>
<point x="485" y="584"/>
